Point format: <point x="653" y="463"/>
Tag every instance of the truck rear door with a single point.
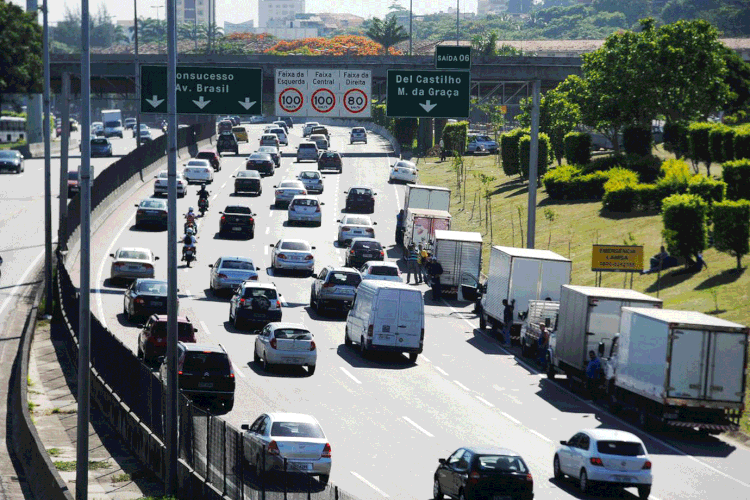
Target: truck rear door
<point x="409" y="319"/>
<point x="448" y="253"/>
<point x="524" y="284"/>
<point x="385" y="325"/>
<point x="726" y="360"/>
<point x="686" y="367"/>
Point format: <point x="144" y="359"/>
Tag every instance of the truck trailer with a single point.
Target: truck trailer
<point x="427" y="197"/>
<point x="459" y="253"/>
<point x="112" y="119"/>
<point x="420" y="225"/>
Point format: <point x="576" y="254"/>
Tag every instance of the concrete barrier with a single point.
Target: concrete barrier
<point x="373" y="127"/>
<point x="36" y="149"/>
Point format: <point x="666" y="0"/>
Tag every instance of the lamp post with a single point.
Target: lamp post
<point x="457" y="21"/>
<point x="411" y="17"/>
<point x="137" y="133"/>
<point x="157" y="7"/>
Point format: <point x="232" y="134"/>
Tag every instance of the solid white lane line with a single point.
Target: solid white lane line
<point x="540" y="435"/>
<point x="223" y="185"/>
<point x="188" y="295"/>
<point x="424" y="358"/>
<point x="270" y="214"/>
<point x="441" y="371"/>
<point x="416" y="426"/>
<point x="515" y="421"/>
<point x="480" y="398"/>
<point x="346" y="372"/>
<point x="238" y="370"/>
<point x="265" y="250"/>
<point x="368" y="483"/>
<point x="205" y="328"/>
<point x="12" y="292"/>
<point x="99" y="282"/>
<point x="283" y="302"/>
<point x="268" y="229"/>
<point x="462" y="386"/>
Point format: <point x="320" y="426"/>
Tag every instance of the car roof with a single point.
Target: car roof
<point x="373" y="240"/>
<point x="295" y="240"/>
<point x="381" y="263"/>
<point x="491" y="450"/>
<point x="208" y="150"/>
<point x="257" y="154"/>
<point x="335" y="269"/>
<point x="228" y="207"/>
<point x="346" y="216"/>
<point x="231" y="257"/>
<point x="612" y="435"/>
<point x="150" y="281"/>
<point x="284" y="324"/>
<point x="203" y="347"/>
<point x="308" y="144"/>
<point x="257" y="284"/>
<point x="305" y="197"/>
<point x="290" y="180"/>
<point x="249" y="173"/>
<point x="133" y="249"/>
<point x="361" y="187"/>
<point x="292" y="417"/>
<point x="163" y="317"/>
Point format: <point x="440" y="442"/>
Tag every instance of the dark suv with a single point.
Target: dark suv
<point x="205" y="374"/>
<point x="152" y="341"/>
<point x="212" y="156"/>
<point x="362" y="250"/>
<point x="227" y="142"/>
<point x="330" y="159"/>
<point x="237" y="219"/>
<point x="360" y="198"/>
<point x="255" y="303"/>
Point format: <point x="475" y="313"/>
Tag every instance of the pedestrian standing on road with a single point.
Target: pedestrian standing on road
<point x="542" y="344"/>
<point x="435" y="270"/>
<point x="412" y="265"/>
<point x="507" y="320"/>
<point x="423" y="262"/>
<point x="400" y="228"/>
<point x="593" y="371"/>
<point x="442" y="150"/>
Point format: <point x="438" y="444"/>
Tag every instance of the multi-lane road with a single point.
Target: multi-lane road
<point x="388" y="420"/>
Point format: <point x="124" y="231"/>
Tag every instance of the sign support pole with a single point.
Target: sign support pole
<point x="533" y="166"/>
<point x="47" y="168"/>
<point x="64" y="145"/>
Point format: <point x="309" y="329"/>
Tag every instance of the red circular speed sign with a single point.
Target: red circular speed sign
<point x="323" y="100"/>
<point x="291" y="100"/>
<point x="355" y="100"/>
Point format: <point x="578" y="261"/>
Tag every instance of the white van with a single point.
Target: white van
<point x="386" y="316"/>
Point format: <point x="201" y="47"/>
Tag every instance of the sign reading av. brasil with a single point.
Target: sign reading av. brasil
<point x="452" y="57"/>
<point x="323" y="92"/>
<point x="203" y="90"/>
<point x="427" y="94"/>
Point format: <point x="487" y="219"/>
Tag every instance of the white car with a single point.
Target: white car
<point x="308" y="127"/>
<point x="286" y="190"/>
<point x="256" y="119"/>
<point x="403" y="171"/>
<point x="269" y="140"/>
<point x="281" y="134"/>
<point x="355" y="226"/>
<point x="381" y="271"/>
<point x="303" y="209"/>
<point x="358" y="134"/>
<point x="293" y="254"/>
<point x="132" y="263"/>
<point x="321" y="141"/>
<point x="198" y="171"/>
<point x="286" y="344"/>
<point x="617" y="458"/>
<point x="160" y="186"/>
<point x="312" y="180"/>
<point x="227" y="273"/>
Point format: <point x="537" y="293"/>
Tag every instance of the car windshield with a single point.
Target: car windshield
<point x="406" y="164"/>
<point x="269" y="138"/>
<point x="290" y="184"/>
<point x="484" y="138"/>
<point x="252" y="292"/>
<point x="163" y="174"/>
<point x="296" y="429"/>
<point x="366" y="245"/>
<point x="197" y="163"/>
<point x="309" y="175"/>
<point x="268" y="149"/>
<point x="206" y="155"/>
<point x="153" y="204"/>
<point x="238" y="209"/>
<point x="361" y="221"/>
<point x="99" y="142"/>
<point x="308" y="145"/>
<point x="622" y="448"/>
<point x="277" y="131"/>
<point x="358" y="130"/>
<point x="292" y="334"/>
<point x="7" y="154"/>
<point x="360" y="192"/>
<point x="305" y="202"/>
<point x="502" y="463"/>
<point x="300" y="246"/>
<point x="206" y="362"/>
<point x="72" y="176"/>
<point x="152" y="287"/>
<point x="184" y="330"/>
<point x="339" y="278"/>
<point x="133" y="254"/>
<point x="112" y="124"/>
<point x="383" y="271"/>
<point x="239" y="265"/>
<point x="329" y="155"/>
<point x="239" y="129"/>
<point x="260" y="157"/>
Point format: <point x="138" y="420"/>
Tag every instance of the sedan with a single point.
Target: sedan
<point x="101" y="146"/>
<point x="227" y="273"/>
<point x="132" y="263"/>
<point x="297" y="440"/>
<point x="308" y="127"/>
<point x="362" y="250"/>
<point x="305" y="209"/>
<point x="269" y="140"/>
<point x="287" y="190"/>
<point x="320" y="140"/>
<point x="274" y="152"/>
<point x="198" y="171"/>
<point x="312" y="180"/>
<point x="161" y="186"/>
<point x="382" y="271"/>
<point x="355" y="226"/>
<point x="247" y="181"/>
<point x="360" y="198"/>
<point x="279" y="132"/>
<point x="293" y="254"/>
<point x="285" y="344"/>
<point x="11" y="160"/>
<point x="151" y="211"/>
<point x="145" y="297"/>
<point x="617" y="458"/>
<point x="358" y="134"/>
<point x="143" y="127"/>
<point x="483" y="473"/>
<point x="145" y="136"/>
<point x="261" y="162"/>
<point x="403" y="171"/>
<point x="74" y="183"/>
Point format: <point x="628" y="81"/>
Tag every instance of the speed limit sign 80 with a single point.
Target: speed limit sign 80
<point x="355" y="101"/>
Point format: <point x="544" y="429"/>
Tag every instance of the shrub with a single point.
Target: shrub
<point x="742" y="144"/>
<point x="636" y="140"/>
<point x="647" y="166"/>
<point x="710" y="190"/>
<point x="684" y="217"/>
<point x="727" y="143"/>
<point x="543" y="157"/>
<point x="577" y="148"/>
<point x="675" y="175"/>
<point x="700" y="149"/>
<point x="405" y="131"/>
<point x="604" y="163"/>
<point x="618" y="190"/>
<point x="736" y="175"/>
<point x="568" y="182"/>
<point x="618" y="177"/>
<point x="378" y="115"/>
<point x="454" y="136"/>
<point x="556" y="181"/>
<point x="676" y="138"/>
<point x="510" y="152"/>
<point x="732" y="228"/>
<point x="716" y="137"/>
<point x="646" y="197"/>
<point x="590" y="186"/>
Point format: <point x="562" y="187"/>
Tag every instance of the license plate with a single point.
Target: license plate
<point x="303" y="466"/>
<point x="291" y="360"/>
<point x="205" y="385"/>
<point x="153" y="212"/>
<point x="134" y="268"/>
<point x="367" y="255"/>
<point x="236" y="229"/>
<point x="383" y="337"/>
<point x="157" y="303"/>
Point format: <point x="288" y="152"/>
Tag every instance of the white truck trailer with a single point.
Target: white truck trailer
<point x="459" y="253"/>
<point x="678" y="369"/>
<point x="420" y="225"/>
<point x="427" y="197"/>
<point x="522" y="274"/>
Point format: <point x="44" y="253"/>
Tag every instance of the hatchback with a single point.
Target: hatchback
<point x="152" y="340"/>
<point x="320" y="140"/>
<point x="11" y="160"/>
<point x="483" y="473"/>
<point x="240" y="133"/>
<point x="304" y="209"/>
<point x="362" y="250"/>
<point x="312" y="180"/>
<point x="273" y="151"/>
<point x="198" y="172"/>
<point x="227" y="273"/>
<point x="260" y="162"/>
<point x="74" y="185"/>
<point x="247" y="181"/>
<point x="101" y="146"/>
<point x="334" y="286"/>
<point x="161" y="185"/>
<point x="255" y="303"/>
<point x="382" y="271"/>
<point x="287" y="190"/>
<point x="358" y="134"/>
<point x="307" y="151"/>
<point x="606" y="456"/>
<point x="204" y="374"/>
<point x="330" y="160"/>
<point x="145" y="297"/>
<point x="481" y="142"/>
<point x="212" y="156"/>
<point x="355" y="226"/>
<point x="281" y="134"/>
<point x="403" y="171"/>
<point x="293" y="254"/>
<point x="360" y="198"/>
<point x="132" y="263"/>
<point x="285" y="344"/>
<point x="151" y="211"/>
<point x="269" y="140"/>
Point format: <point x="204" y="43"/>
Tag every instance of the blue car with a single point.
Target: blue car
<point x="101" y="147"/>
<point x="475" y="141"/>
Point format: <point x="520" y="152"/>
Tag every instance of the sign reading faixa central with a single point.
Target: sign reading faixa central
<point x="428" y="94"/>
<point x="203" y="90"/>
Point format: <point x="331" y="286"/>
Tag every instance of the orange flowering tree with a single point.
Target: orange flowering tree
<point x="341" y="45"/>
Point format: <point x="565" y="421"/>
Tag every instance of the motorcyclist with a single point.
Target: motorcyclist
<point x="191" y="218"/>
<point x="164" y="125"/>
<point x="203" y="193"/>
<point x="188" y="242"/>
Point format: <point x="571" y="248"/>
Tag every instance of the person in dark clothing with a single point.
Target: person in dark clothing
<point x="434" y="270"/>
<point x="507" y="319"/>
<point x="400" y="228"/>
<point x="542" y="344"/>
<point x="593" y="372"/>
<point x="412" y="267"/>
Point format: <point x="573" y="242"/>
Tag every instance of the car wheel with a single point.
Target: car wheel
<point x="437" y="493"/>
<point x="256" y="358"/>
<point x="266" y="364"/>
<point x="556" y="469"/>
<point x="311" y="369"/>
<point x="347" y="340"/>
<point x="323" y="478"/>
<point x="644" y="492"/>
<point x="583" y="482"/>
<point x="413" y="357"/>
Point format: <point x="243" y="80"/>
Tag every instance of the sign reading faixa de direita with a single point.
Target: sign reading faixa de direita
<point x="204" y="91"/>
<point x="427" y="94"/>
<point x="452" y="57"/>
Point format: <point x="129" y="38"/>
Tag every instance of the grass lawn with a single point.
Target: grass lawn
<point x="571" y="228"/>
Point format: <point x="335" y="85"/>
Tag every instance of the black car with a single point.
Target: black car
<point x="151" y="211"/>
<point x="11" y="160"/>
<point x="237" y="219"/>
<point x="74" y="184"/>
<point x="330" y="159"/>
<point x="273" y="151"/>
<point x="483" y="473"/>
<point x="360" y="198"/>
<point x="247" y="181"/>
<point x="145" y="297"/>
<point x="262" y="162"/>
<point x="205" y="374"/>
<point x="320" y="129"/>
<point x="362" y="250"/>
<point x="227" y="142"/>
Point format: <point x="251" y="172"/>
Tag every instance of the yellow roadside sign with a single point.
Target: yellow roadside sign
<point x="503" y="110"/>
<point x="618" y="258"/>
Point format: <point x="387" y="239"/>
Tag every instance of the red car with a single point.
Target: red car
<point x="152" y="341"/>
<point x="212" y="156"/>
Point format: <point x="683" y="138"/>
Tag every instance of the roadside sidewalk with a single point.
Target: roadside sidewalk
<point x="113" y="472"/>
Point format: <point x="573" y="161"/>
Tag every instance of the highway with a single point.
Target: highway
<point x="388" y="420"/>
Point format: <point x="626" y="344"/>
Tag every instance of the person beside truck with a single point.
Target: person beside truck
<point x="412" y="265"/>
<point x="434" y="270"/>
<point x="507" y="319"/>
<point x="593" y="373"/>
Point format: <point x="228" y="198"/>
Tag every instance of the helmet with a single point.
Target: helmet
<point x="189" y="231"/>
<point x="190" y="209"/>
<point x="203" y="185"/>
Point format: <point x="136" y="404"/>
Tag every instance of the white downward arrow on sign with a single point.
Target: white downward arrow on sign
<point x="427" y="106"/>
<point x="247" y="104"/>
<point x="201" y="103"/>
<point x="154" y="101"/>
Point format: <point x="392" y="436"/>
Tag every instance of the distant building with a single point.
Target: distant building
<point x="270" y="10"/>
<point x="127" y="29"/>
<point x="461" y="13"/>
<point x="491" y="7"/>
<point x="244" y="27"/>
<point x="196" y="11"/>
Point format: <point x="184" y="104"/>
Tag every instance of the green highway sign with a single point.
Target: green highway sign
<point x="427" y="94"/>
<point x="452" y="57"/>
<point x="204" y="91"/>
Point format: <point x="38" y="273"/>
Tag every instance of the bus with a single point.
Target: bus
<point x="12" y="129"/>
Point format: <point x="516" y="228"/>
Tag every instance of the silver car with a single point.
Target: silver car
<point x="334" y="286"/>
<point x="312" y="180"/>
<point x="281" y="134"/>
<point x="308" y="127"/>
<point x="227" y="273"/>
<point x="285" y="344"/>
<point x="287" y="190"/>
<point x="381" y="271"/>
<point x="358" y="134"/>
<point x="298" y="438"/>
<point x="320" y="140"/>
<point x="293" y="254"/>
<point x="132" y="263"/>
<point x="307" y="151"/>
<point x="355" y="226"/>
<point x="305" y="209"/>
<point x="160" y="186"/>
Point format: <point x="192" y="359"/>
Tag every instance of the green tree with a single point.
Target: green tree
<point x="387" y="33"/>
<point x="684" y="217"/>
<point x="732" y="228"/>
<point x="485" y="44"/>
<point x="21" y="55"/>
<point x="633" y="9"/>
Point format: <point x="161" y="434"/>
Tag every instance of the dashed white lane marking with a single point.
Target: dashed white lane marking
<point x="441" y="371"/>
<point x="514" y="420"/>
<point x="368" y="483"/>
<point x="214" y="196"/>
<point x="462" y="386"/>
<point x="539" y="434"/>
<point x="485" y="401"/>
<point x="346" y="372"/>
<point x="265" y="250"/>
<point x="99" y="282"/>
<point x="238" y="370"/>
<point x="188" y="295"/>
<point x="223" y="185"/>
<point x="416" y="426"/>
<point x="270" y="214"/>
<point x="205" y="328"/>
<point x="283" y="302"/>
<point x="268" y="229"/>
<point x="425" y="359"/>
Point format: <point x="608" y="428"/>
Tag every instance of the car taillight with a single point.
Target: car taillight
<point x="222" y="276"/>
<point x="328" y="285"/>
<point x="647" y="465"/>
<point x="148" y="266"/>
<point x="140" y="212"/>
<point x="273" y="343"/>
<point x="273" y="448"/>
<point x="278" y="304"/>
<point x="179" y="372"/>
<point x="370" y="230"/>
<point x="312" y="345"/>
<point x="139" y="300"/>
<point x="382" y="254"/>
<point x="309" y="257"/>
<point x="317" y="208"/>
<point x="596" y="461"/>
<point x="254" y="278"/>
<point x="242" y="301"/>
<point x="279" y="193"/>
<point x="474" y="477"/>
<point x="351" y="252"/>
<point x="529" y="478"/>
<point x="282" y="256"/>
<point x="223" y="218"/>
<point x="370" y="330"/>
<point x="326" y="451"/>
<point x="346" y="228"/>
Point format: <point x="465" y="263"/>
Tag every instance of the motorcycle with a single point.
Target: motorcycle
<point x="189" y="254"/>
<point x="202" y="205"/>
<point x="191" y="224"/>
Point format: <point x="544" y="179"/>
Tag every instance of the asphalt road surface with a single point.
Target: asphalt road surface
<point x="388" y="420"/>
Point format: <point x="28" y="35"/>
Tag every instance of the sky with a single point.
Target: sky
<point x="242" y="10"/>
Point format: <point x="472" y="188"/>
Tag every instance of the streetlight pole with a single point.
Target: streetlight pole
<point x="411" y="17"/>
<point x="157" y="7"/>
<point x="137" y="132"/>
<point x="457" y="21"/>
<point x="47" y="169"/>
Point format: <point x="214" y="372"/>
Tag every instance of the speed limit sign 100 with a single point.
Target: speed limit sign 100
<point x="323" y="100"/>
<point x="355" y="101"/>
<point x="291" y="100"/>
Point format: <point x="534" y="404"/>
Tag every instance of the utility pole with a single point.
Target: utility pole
<point x="64" y="147"/>
<point x="411" y="17"/>
<point x="34" y="103"/>
<point x="457" y="22"/>
<point x="157" y="7"/>
<point x="137" y="131"/>
<point x="533" y="166"/>
<point x="47" y="170"/>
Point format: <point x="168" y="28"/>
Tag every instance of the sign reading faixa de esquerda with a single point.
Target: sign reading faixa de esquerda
<point x="203" y="90"/>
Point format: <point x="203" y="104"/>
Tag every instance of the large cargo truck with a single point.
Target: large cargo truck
<point x="459" y="253"/>
<point x="112" y="119"/>
<point x="427" y="197"/>
<point x="420" y="225"/>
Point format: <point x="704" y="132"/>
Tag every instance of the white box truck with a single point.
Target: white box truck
<point x="678" y="369"/>
<point x="112" y="119"/>
<point x="420" y="225"/>
<point x="459" y="253"/>
<point x="427" y="197"/>
<point x="589" y="316"/>
<point x="522" y="274"/>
